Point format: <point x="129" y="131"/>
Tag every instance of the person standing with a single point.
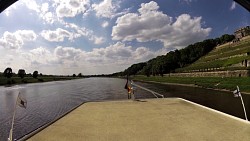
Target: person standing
<point x="129" y="88"/>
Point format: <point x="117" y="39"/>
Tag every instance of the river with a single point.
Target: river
<point x="48" y="101"/>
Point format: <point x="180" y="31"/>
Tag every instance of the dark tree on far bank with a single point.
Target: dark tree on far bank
<point x="8" y="72"/>
<point x="79" y="75"/>
<point x="74" y="75"/>
<point x="21" y="73"/>
<point x="35" y="74"/>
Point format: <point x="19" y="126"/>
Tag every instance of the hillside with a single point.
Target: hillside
<point x="173" y="60"/>
<point x="229" y="56"/>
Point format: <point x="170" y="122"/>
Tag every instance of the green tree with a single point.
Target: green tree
<point x="35" y="74"/>
<point x="226" y="38"/>
<point x="176" y="59"/>
<point x="134" y="69"/>
<point x="21" y="73"/>
<point x="146" y="70"/>
<point x="8" y="72"/>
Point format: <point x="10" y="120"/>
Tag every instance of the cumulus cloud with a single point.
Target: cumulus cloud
<point x="118" y="54"/>
<point x="233" y="6"/>
<point x="16" y="40"/>
<point x="82" y="31"/>
<point x="57" y="35"/>
<point x="112" y="58"/>
<point x="32" y="5"/>
<point x="150" y="24"/>
<point x="47" y="15"/>
<point x="105" y="9"/>
<point x="69" y="53"/>
<point x="108" y="9"/>
<point x="71" y="8"/>
<point x="40" y="56"/>
<point x="26" y="35"/>
<point x="117" y="51"/>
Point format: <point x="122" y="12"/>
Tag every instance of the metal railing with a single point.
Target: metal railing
<point x="157" y="95"/>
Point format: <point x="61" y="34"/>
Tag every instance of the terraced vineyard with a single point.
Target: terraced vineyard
<point x="225" y="57"/>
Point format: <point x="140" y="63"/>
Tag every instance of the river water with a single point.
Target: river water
<point x="48" y="101"/>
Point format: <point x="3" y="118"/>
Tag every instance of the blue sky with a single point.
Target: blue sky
<point x="106" y="36"/>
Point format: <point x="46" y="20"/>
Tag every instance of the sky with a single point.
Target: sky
<point x="65" y="37"/>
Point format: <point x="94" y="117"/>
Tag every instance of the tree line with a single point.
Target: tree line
<point x="175" y="59"/>
<point x="21" y="73"/>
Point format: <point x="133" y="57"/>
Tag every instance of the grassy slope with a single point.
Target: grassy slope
<point x="223" y="56"/>
<point x="206" y="82"/>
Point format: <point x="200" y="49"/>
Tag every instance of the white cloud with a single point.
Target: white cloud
<point x="148" y="7"/>
<point x="105" y="9"/>
<point x="112" y="58"/>
<point x="16" y="40"/>
<point x="57" y="36"/>
<point x="117" y="51"/>
<point x="11" y="41"/>
<point x="41" y="55"/>
<point x="46" y="60"/>
<point x="32" y="5"/>
<point x="119" y="54"/>
<point x="108" y="9"/>
<point x="68" y="53"/>
<point x="82" y="31"/>
<point x="105" y="24"/>
<point x="26" y="35"/>
<point x="71" y="8"/>
<point x="153" y="25"/>
<point x="45" y="7"/>
<point x="233" y="6"/>
<point x="47" y="15"/>
<point x="97" y="40"/>
<point x="40" y="52"/>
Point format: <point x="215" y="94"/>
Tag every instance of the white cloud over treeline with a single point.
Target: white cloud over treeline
<point x="150" y="24"/>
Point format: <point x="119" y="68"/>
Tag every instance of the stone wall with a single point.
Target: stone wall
<point x="235" y="73"/>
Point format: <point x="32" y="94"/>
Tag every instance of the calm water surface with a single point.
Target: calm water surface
<point x="48" y="101"/>
<point x="219" y="100"/>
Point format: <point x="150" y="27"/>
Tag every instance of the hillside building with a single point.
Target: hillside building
<point x="242" y="32"/>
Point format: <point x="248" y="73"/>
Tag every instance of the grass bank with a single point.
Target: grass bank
<point x="228" y="83"/>
<point x="18" y="80"/>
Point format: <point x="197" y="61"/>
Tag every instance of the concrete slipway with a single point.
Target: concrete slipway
<point x="169" y="119"/>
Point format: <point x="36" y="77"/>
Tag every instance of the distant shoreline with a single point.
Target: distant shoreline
<point x="27" y="80"/>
